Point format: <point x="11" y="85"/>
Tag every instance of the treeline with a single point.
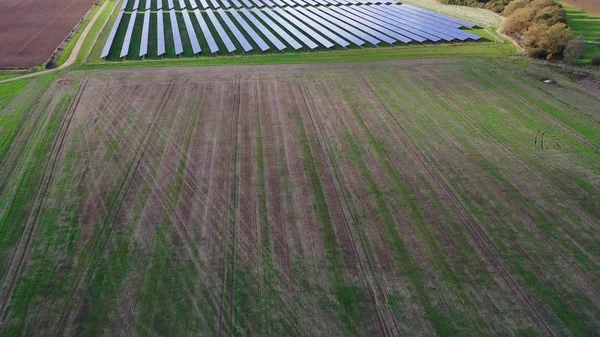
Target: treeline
<point x="538" y="25"/>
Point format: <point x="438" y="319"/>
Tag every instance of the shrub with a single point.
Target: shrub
<point x="551" y="15"/>
<point x="537" y="53"/>
<point x="519" y="22"/>
<point x="513" y="6"/>
<point x="574" y="49"/>
<point x="596" y="61"/>
<point x="552" y="39"/>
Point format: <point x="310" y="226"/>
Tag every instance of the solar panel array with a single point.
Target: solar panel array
<point x="244" y="26"/>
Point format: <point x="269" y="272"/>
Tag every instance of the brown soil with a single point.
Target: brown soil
<point x="30" y="31"/>
<point x="592" y="6"/>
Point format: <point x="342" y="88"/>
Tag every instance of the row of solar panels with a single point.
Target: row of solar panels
<point x="206" y="4"/>
<point x="300" y="27"/>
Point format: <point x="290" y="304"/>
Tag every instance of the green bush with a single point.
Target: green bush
<point x="595" y="61"/>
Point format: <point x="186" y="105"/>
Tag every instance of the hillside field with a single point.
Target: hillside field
<point x="426" y="197"/>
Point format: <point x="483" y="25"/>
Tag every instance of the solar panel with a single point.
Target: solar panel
<point x="136" y="4"/>
<point x="328" y="33"/>
<point x="253" y="35"/>
<point x="111" y="36"/>
<point x="127" y="40"/>
<point x="359" y="25"/>
<point x="449" y="32"/>
<point x="236" y="4"/>
<point x="299" y="2"/>
<point x="170" y="4"/>
<point x="390" y="23"/>
<point x="145" y="32"/>
<point x="159" y="4"/>
<point x="290" y="3"/>
<point x="441" y="16"/>
<point x="434" y="34"/>
<point x="268" y="3"/>
<point x="274" y="40"/>
<point x="311" y="2"/>
<point x="160" y="33"/>
<point x="236" y="32"/>
<point x="258" y="3"/>
<point x="422" y="16"/>
<point x="175" y="30"/>
<point x="212" y="45"/>
<point x="189" y="27"/>
<point x="248" y="4"/>
<point x="215" y="4"/>
<point x="148" y="4"/>
<point x="124" y="4"/>
<point x="328" y="18"/>
<point x="308" y="42"/>
<point x="290" y="40"/>
<point x="226" y="3"/>
<point x="279" y="3"/>
<point x="381" y="26"/>
<point x="226" y="40"/>
<point x="343" y="11"/>
<point x="182" y="4"/>
<point x="319" y="38"/>
<point x="203" y="4"/>
<point x="193" y="4"/>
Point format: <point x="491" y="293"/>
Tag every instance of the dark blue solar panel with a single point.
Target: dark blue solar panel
<point x="441" y="16"/>
<point x="236" y="32"/>
<point x="330" y="27"/>
<point x="212" y="45"/>
<point x="253" y="35"/>
<point x="127" y="40"/>
<point x="226" y="40"/>
<point x="392" y="24"/>
<point x="440" y="33"/>
<point x="278" y="44"/>
<point x="111" y="36"/>
<point x="307" y="42"/>
<point x="326" y="17"/>
<point x="290" y="40"/>
<point x="386" y="32"/>
<point x="175" y="30"/>
<point x="145" y="33"/>
<point x="359" y="25"/>
<point x="189" y="27"/>
<point x="422" y="16"/>
<point x="321" y="28"/>
<point x="381" y="26"/>
<point x="326" y="43"/>
<point x="452" y="32"/>
<point x="160" y="33"/>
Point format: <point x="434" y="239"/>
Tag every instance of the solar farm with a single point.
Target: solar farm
<point x="172" y="28"/>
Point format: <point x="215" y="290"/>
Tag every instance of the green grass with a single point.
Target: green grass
<point x="583" y="23"/>
<point x="485" y="50"/>
<point x="64" y="55"/>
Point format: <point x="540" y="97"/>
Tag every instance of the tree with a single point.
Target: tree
<point x="552" y="39"/>
<point x="513" y="6"/>
<point x="519" y="21"/>
<point x="574" y="49"/>
<point x="550" y="15"/>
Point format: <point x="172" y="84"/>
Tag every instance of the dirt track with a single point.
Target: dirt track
<point x="30" y="31"/>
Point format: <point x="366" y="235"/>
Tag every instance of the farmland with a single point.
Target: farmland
<point x="30" y="31"/>
<point x="418" y="197"/>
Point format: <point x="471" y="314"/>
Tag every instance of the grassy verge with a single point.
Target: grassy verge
<point x="362" y="55"/>
<point x="588" y="25"/>
<point x="64" y="55"/>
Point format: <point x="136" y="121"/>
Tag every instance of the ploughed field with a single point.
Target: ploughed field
<point x="30" y="31"/>
<point x="422" y="198"/>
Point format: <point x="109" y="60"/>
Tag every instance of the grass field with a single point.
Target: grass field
<point x="588" y="25"/>
<point x="440" y="197"/>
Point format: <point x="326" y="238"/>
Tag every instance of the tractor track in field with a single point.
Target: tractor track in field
<point x="132" y="171"/>
<point x="230" y="223"/>
<point x="553" y="120"/>
<point x="25" y="242"/>
<point x="541" y="318"/>
<point x="383" y="327"/>
<point x="543" y="179"/>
